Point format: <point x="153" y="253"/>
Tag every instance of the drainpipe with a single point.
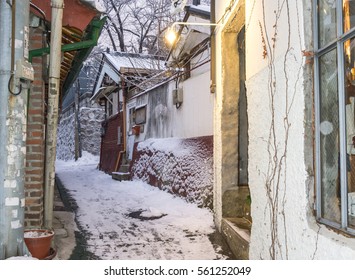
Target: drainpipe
<point x="213" y="48"/>
<point x="52" y="116"/>
<point x="14" y="19"/>
<point x="121" y="153"/>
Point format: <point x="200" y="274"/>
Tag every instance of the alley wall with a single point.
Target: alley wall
<point x="279" y="93"/>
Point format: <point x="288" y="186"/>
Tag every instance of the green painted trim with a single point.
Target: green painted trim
<point x="93" y="32"/>
<point x="83" y="49"/>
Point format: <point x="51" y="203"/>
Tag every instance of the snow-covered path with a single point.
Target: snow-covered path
<point x="104" y="206"/>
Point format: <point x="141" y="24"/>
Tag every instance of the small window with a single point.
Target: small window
<point x="140" y="115"/>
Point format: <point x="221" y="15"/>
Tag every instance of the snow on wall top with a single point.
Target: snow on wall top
<point x="164" y="145"/>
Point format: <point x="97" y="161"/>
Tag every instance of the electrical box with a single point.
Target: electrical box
<point x="24" y="71"/>
<point x="178" y="96"/>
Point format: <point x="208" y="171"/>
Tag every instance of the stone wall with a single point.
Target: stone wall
<point x="180" y="166"/>
<point x="90" y="133"/>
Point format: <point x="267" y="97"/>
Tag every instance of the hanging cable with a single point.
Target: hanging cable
<point x="9" y="86"/>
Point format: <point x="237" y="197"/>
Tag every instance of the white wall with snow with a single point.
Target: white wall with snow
<point x="194" y="118"/>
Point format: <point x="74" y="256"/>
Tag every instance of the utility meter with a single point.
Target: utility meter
<point x="24" y="71"/>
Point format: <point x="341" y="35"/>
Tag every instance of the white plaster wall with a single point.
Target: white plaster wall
<point x="298" y="232"/>
<point x="299" y="236"/>
<point x="195" y="116"/>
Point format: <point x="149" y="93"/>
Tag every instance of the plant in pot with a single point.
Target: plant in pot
<point x="38" y="242"/>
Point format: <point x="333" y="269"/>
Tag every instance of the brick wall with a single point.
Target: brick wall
<point x="34" y="173"/>
<point x="109" y="143"/>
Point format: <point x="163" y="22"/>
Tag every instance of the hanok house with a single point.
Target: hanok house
<point x="119" y="73"/>
<point x="172" y="117"/>
<point x="81" y="27"/>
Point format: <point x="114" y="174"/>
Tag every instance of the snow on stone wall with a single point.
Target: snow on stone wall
<point x="90" y="120"/>
<point x="180" y="166"/>
<point x="90" y="125"/>
<point x="65" y="138"/>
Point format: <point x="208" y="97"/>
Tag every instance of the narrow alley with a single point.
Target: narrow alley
<point x="132" y="220"/>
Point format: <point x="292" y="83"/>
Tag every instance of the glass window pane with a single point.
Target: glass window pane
<point x="349" y="52"/>
<point x="329" y="137"/>
<point x="349" y="14"/>
<point x="327" y="21"/>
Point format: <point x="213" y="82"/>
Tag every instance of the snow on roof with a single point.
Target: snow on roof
<point x="96" y="4"/>
<point x="126" y="61"/>
<point x="205" y="8"/>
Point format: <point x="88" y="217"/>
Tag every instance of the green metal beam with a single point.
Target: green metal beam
<point x="83" y="49"/>
<point x="93" y="32"/>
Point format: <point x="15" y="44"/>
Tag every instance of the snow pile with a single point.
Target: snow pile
<point x="180" y="166"/>
<point x="179" y="230"/>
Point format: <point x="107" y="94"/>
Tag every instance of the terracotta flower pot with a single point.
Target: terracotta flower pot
<point x="38" y="242"/>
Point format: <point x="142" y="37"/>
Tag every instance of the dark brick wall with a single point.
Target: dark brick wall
<point x="34" y="173"/>
<point x="109" y="143"/>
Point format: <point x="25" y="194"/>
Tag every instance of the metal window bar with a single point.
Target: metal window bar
<point x="339" y="45"/>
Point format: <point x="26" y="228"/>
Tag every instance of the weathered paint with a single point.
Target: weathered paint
<point x="193" y="119"/>
<point x="10" y="184"/>
<point x="12" y="152"/>
<point x="18" y="44"/>
<point x="14" y="213"/>
<point x="23" y="201"/>
<point x="16" y="224"/>
<point x="12" y="201"/>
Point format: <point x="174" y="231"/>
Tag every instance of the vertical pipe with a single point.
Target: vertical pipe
<point x="123" y="84"/>
<point x="52" y="116"/>
<point x="13" y="122"/>
<point x="213" y="48"/>
<point x="5" y="73"/>
<point x="76" y="121"/>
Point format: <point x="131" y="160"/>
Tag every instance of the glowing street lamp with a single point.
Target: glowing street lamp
<point x="171" y="35"/>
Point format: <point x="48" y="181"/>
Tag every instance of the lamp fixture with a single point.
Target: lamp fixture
<point x="171" y="35"/>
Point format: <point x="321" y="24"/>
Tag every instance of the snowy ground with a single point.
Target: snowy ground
<point x="133" y="220"/>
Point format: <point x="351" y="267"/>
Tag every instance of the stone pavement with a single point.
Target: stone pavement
<point x="70" y="238"/>
<point x="64" y="227"/>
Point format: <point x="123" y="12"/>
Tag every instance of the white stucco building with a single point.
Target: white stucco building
<point x="296" y="60"/>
